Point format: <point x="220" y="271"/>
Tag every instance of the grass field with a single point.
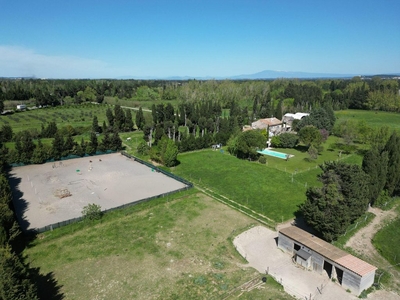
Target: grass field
<point x="176" y="248"/>
<point x="74" y="115"/>
<point x="372" y="118"/>
<point x="386" y="239"/>
<point x="274" y="190"/>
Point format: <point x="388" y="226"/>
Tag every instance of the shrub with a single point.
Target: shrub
<point x="92" y="211"/>
<point x="288" y="140"/>
<point x="262" y="160"/>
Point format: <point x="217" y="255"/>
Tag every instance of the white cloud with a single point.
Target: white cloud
<point x="22" y="62"/>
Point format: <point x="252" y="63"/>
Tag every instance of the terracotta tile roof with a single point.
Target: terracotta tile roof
<point x="355" y="264"/>
<point x="327" y="250"/>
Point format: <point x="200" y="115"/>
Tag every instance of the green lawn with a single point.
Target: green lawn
<point x="372" y="118"/>
<point x="175" y="248"/>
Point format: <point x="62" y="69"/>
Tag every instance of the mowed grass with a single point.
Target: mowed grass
<point x="175" y="248"/>
<point x="266" y="190"/>
<point x="374" y="119"/>
<point x="274" y="190"/>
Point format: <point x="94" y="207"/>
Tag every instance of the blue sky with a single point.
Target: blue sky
<point x="108" y="39"/>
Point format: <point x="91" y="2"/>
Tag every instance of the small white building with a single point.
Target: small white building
<point x="318" y="255"/>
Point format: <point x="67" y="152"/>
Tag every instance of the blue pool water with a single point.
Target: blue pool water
<point x="273" y="153"/>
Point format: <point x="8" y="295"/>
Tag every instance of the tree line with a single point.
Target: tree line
<point x="264" y="98"/>
<point x="29" y="148"/>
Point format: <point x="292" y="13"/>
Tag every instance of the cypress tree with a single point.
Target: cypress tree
<point x="140" y="121"/>
<point x="128" y="120"/>
<point x="375" y="164"/>
<point x="393" y="171"/>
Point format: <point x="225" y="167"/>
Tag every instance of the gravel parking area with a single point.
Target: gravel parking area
<point x="54" y="192"/>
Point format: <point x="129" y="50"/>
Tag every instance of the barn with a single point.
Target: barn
<point x="315" y="254"/>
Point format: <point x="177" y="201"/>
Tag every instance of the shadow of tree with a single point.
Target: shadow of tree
<point x="47" y="285"/>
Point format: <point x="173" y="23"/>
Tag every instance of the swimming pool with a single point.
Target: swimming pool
<point x="274" y="153"/>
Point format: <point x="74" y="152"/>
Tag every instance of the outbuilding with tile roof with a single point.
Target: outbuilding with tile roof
<point x="316" y="254"/>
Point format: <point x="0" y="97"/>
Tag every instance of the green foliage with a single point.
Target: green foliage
<point x="262" y="160"/>
<point x="276" y="141"/>
<point x="343" y="197"/>
<point x="92" y="212"/>
<point x="140" y="120"/>
<point x="15" y="281"/>
<point x="247" y="143"/>
<point x="310" y="135"/>
<point x="169" y="152"/>
<point x="392" y="147"/>
<point x="285" y="140"/>
<point x="143" y="148"/>
<point x="320" y="118"/>
<point x="375" y="164"/>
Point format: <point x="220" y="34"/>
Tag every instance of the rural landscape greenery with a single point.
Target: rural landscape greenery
<point x="346" y="157"/>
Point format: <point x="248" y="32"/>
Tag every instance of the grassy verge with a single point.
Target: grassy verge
<point x="360" y="223"/>
<point x="387" y="241"/>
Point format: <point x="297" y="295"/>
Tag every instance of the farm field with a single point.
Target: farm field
<point x="372" y="118"/>
<point x="176" y="248"/>
<point x="74" y="115"/>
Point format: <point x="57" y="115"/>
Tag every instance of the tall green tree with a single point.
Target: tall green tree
<point x="140" y="120"/>
<point x="128" y="121"/>
<point x="392" y="147"/>
<point x="110" y="117"/>
<point x="58" y="146"/>
<point x="169" y="152"/>
<point x="375" y="164"/>
<point x="343" y="197"/>
<point x="119" y="117"/>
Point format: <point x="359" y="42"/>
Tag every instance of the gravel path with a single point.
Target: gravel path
<point x="361" y="243"/>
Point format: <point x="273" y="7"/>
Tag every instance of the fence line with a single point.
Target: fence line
<point x="77" y="219"/>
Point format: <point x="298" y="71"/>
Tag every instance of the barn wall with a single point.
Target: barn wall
<point x="351" y="281"/>
<point x="285" y="243"/>
<point x="367" y="281"/>
<point x="317" y="262"/>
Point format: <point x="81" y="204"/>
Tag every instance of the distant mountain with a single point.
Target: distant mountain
<point x="266" y="74"/>
<point x="269" y="74"/>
